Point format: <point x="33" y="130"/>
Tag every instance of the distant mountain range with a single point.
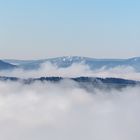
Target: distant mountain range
<point x="67" y="61"/>
<point x="6" y="66"/>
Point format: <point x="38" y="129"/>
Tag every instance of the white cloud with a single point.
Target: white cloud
<point x="76" y="70"/>
<point x="64" y="112"/>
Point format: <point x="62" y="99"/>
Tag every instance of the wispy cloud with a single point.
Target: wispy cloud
<point x="76" y="70"/>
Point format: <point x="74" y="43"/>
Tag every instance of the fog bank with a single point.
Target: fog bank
<point x="64" y="111"/>
<point x="76" y="70"/>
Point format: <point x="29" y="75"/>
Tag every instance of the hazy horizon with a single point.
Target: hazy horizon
<point x="39" y="58"/>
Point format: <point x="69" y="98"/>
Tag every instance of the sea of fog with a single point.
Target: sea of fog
<point x="64" y="111"/>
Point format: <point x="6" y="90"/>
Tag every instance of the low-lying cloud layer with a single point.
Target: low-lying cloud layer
<point x="63" y="111"/>
<point x="76" y="70"/>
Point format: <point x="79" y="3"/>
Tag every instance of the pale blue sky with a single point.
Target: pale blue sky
<point x="32" y="29"/>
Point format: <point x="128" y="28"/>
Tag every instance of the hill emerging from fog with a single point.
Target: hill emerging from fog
<point x="63" y="62"/>
<point x="89" y="83"/>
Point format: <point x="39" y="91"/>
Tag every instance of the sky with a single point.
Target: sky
<point x="36" y="29"/>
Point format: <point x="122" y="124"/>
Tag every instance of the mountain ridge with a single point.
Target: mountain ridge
<point x="66" y="61"/>
<point x="6" y="66"/>
<point x="88" y="83"/>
